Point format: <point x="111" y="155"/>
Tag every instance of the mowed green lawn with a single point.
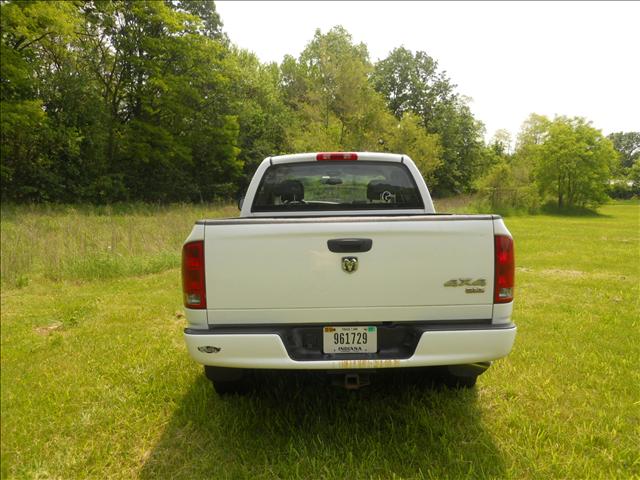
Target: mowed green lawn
<point x="96" y="381"/>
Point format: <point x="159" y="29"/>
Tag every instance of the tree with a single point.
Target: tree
<point x="172" y="131"/>
<point x="507" y="182"/>
<point x="504" y="188"/>
<point x="572" y="160"/>
<point x="424" y="148"/>
<point x="412" y="83"/>
<point x="335" y="106"/>
<point x="461" y="136"/>
<point x="258" y="100"/>
<point x="501" y="142"/>
<point x="31" y="145"/>
<point x="634" y="177"/>
<point x="208" y="22"/>
<point x="329" y="91"/>
<point x="627" y="144"/>
<point x="116" y="100"/>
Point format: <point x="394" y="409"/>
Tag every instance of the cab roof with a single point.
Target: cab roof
<point x="345" y="156"/>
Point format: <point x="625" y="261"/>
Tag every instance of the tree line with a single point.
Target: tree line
<point x="121" y="100"/>
<point x="563" y="159"/>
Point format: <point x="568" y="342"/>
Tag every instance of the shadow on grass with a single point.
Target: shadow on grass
<point x="554" y="210"/>
<point x="298" y="426"/>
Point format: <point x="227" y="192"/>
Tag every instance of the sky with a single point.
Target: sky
<point x="511" y="58"/>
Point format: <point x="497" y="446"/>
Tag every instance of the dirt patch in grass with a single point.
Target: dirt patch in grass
<point x="49" y="329"/>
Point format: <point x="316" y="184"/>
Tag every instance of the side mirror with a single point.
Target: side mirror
<point x="240" y="201"/>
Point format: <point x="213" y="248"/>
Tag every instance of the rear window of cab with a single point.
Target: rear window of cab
<point x="337" y="185"/>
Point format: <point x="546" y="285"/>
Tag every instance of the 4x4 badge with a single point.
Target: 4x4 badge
<point x="465" y="282"/>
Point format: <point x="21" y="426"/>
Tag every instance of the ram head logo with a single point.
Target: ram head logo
<point x="349" y="264"/>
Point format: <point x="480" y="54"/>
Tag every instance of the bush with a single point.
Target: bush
<point x="621" y="189"/>
<point x="501" y="192"/>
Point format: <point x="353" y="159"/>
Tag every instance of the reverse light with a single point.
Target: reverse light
<point x="336" y="156"/>
<point x="193" y="287"/>
<point x="504" y="268"/>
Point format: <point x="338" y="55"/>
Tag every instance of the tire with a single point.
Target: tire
<point x="459" y="382"/>
<point x="229" y="388"/>
<point x="226" y="381"/>
<point x="463" y="376"/>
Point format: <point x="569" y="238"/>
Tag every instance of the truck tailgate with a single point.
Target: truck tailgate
<point x="282" y="271"/>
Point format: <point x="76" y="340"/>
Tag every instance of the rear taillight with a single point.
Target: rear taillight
<point x="336" y="156"/>
<point x="193" y="287"/>
<point x="505" y="269"/>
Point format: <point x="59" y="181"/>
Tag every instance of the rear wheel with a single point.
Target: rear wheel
<point x="457" y="381"/>
<point x="226" y="381"/>
<point x="463" y="376"/>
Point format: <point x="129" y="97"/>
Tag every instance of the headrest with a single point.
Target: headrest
<point x="289" y="190"/>
<point x="382" y="191"/>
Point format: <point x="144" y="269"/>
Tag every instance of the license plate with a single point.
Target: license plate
<point x="350" y="339"/>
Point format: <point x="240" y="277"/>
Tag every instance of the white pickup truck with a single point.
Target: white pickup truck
<point x="339" y="263"/>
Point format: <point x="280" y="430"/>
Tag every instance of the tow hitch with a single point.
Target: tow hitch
<point x="352" y="381"/>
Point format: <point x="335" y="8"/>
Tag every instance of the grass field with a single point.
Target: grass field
<point x="96" y="382"/>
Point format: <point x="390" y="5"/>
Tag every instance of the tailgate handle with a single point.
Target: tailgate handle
<point x="349" y="245"/>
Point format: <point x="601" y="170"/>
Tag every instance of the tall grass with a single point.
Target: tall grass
<point x="86" y="242"/>
<point x="458" y="204"/>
